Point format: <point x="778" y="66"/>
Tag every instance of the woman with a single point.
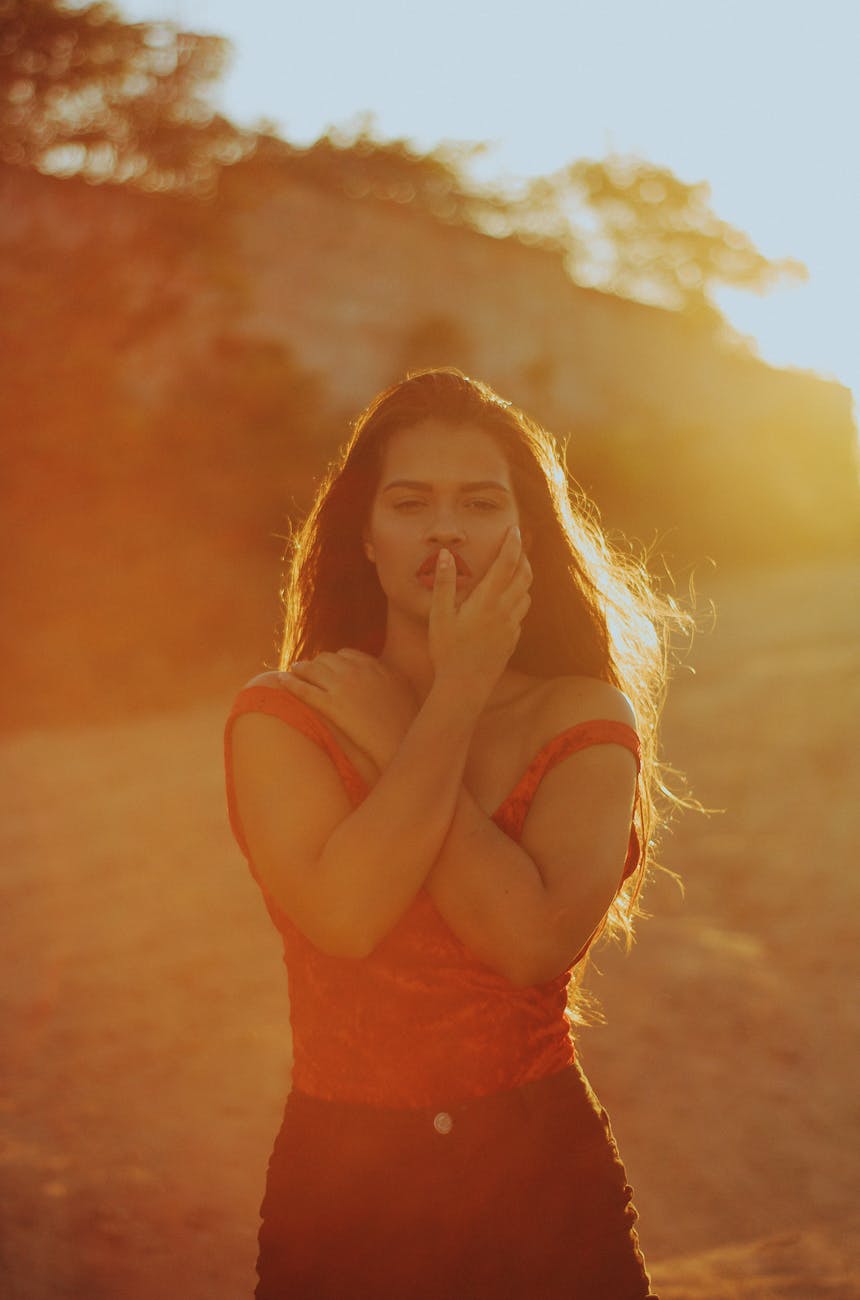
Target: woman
<point x="445" y="796"/>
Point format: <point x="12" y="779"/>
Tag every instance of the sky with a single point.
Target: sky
<point x="760" y="98"/>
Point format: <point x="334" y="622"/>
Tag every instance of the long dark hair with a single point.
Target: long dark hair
<point x="594" y="609"/>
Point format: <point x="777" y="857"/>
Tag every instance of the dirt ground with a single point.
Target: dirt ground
<point x="146" y="1016"/>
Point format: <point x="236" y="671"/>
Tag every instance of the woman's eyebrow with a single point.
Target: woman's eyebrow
<point x="486" y="485"/>
<point x="482" y="485"/>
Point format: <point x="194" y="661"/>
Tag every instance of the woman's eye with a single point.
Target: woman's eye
<point x="480" y="505"/>
<point x="408" y="503"/>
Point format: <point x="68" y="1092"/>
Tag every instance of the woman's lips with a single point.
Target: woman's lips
<point x="426" y="574"/>
<point x="429" y="565"/>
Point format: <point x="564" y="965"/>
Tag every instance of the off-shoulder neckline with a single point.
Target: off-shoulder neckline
<point x="544" y="753"/>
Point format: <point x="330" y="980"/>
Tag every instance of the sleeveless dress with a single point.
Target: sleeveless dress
<point x="440" y="1139"/>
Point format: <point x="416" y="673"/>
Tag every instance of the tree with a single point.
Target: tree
<point x="83" y="92"/>
<point x="623" y="225"/>
<point x="354" y="161"/>
<point x="631" y="227"/>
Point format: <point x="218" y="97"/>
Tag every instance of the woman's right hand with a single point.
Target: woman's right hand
<point x="473" y="643"/>
<point x="369" y="702"/>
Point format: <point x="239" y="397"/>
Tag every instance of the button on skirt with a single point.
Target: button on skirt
<point x="521" y="1195"/>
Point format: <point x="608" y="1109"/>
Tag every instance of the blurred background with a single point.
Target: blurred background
<point x="213" y="253"/>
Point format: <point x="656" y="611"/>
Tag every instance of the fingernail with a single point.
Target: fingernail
<point x="445" y="558"/>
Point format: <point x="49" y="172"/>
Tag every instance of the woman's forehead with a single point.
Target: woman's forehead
<point x="433" y="451"/>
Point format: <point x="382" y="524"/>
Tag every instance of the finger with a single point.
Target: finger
<point x="355" y="656"/>
<point x="443" y="601"/>
<point x="361" y="659"/>
<point x="509" y="554"/>
<point x="307" y="691"/>
<point x="315" y="671"/>
<point x="521" y="578"/>
<point x="518" y="587"/>
<point x="504" y="566"/>
<point x="515" y="605"/>
<point x="521" y="608"/>
<point x="329" y="659"/>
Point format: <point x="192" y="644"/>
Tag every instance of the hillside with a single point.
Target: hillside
<point x="147" y="1008"/>
<point x="174" y="375"/>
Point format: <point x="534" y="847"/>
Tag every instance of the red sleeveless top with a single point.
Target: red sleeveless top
<point x="421" y="1021"/>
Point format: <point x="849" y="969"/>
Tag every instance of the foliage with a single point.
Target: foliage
<point x="623" y="225"/>
<point x="633" y="228"/>
<point x="360" y="165"/>
<point x="84" y="92"/>
<point x="159" y="428"/>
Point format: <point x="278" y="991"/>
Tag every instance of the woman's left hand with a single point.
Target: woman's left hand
<point x="359" y="695"/>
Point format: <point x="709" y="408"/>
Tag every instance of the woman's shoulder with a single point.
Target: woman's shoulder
<point x="270" y="678"/>
<point x="535" y="710"/>
<point x="268" y="696"/>
<point x="567" y="701"/>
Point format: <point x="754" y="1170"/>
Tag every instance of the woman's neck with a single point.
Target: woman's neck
<point x="406" y="651"/>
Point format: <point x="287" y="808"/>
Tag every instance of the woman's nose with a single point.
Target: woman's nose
<point x="445" y="529"/>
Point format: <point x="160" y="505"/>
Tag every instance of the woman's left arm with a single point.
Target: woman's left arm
<point x="526" y="909"/>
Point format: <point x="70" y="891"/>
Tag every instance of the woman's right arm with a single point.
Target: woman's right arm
<point x="345" y="875"/>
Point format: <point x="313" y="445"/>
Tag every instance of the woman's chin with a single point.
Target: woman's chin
<point x="428" y="581"/>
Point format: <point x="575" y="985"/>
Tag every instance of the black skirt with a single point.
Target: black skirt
<point x="518" y="1196"/>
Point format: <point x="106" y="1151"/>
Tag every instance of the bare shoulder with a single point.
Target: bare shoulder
<point x="567" y="701"/>
<point x="275" y="761"/>
<point x="271" y="677"/>
<point x="261" y="737"/>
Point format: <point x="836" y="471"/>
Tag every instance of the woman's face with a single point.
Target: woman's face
<point x="440" y="485"/>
